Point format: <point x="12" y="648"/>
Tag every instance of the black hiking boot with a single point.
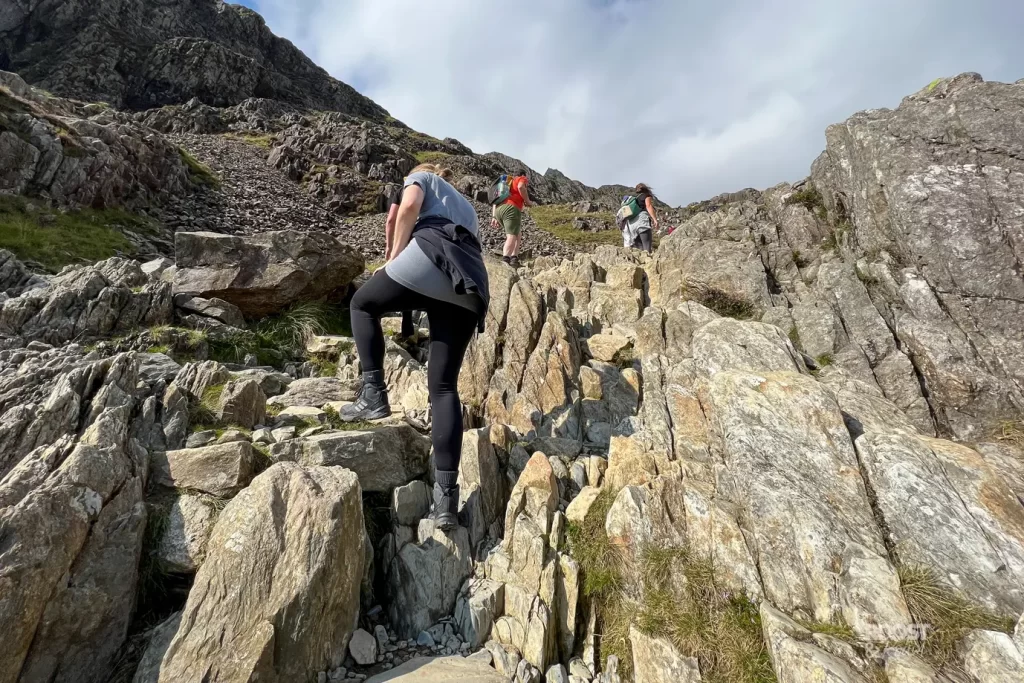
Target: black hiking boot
<point x="514" y="262"/>
<point x="372" y="401"/>
<point x="445" y="512"/>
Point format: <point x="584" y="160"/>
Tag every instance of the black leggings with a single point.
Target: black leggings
<point x="451" y="329"/>
<point x="644" y="241"/>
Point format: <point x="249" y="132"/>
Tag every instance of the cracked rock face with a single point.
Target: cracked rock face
<point x="218" y="53"/>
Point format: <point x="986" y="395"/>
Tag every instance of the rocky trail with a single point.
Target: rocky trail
<point x="253" y="197"/>
<point x="788" y="446"/>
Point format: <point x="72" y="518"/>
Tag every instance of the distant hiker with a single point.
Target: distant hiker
<point x="508" y="213"/>
<point x="638" y="219"/>
<point x="408" y="328"/>
<point x="435" y="264"/>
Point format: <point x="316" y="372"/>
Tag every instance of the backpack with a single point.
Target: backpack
<point x="500" y="190"/>
<point x="630" y="208"/>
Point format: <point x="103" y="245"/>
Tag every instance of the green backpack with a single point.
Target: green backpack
<point x="630" y="208"/>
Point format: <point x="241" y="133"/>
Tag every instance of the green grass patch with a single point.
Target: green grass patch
<point x="722" y="630"/>
<point x="723" y="303"/>
<point x="950" y="615"/>
<point x="431" y="157"/>
<point x="800" y="260"/>
<point x="255" y="139"/>
<point x="602" y="566"/>
<point x="200" y="173"/>
<point x="934" y="84"/>
<point x="159" y="349"/>
<point x="54" y="239"/>
<point x="825" y="360"/>
<point x="324" y="366"/>
<point x="557" y="220"/>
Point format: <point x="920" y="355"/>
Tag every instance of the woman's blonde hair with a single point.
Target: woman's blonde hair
<point x="445" y="173"/>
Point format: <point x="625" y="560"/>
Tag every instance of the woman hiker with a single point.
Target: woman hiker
<point x="436" y="265"/>
<point x="639" y="229"/>
<point x="408" y="328"/>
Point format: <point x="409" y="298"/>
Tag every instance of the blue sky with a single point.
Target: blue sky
<point x="694" y="98"/>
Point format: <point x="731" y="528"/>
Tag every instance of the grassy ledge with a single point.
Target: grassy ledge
<point x="254" y="139"/>
<point x="55" y="239"/>
<point x="557" y="219"/>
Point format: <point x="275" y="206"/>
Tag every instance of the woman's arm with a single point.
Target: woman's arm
<point x="408" y="212"/>
<point x="650" y="210"/>
<point x="389" y="231"/>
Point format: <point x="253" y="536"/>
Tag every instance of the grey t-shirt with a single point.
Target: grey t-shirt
<point x="413" y="268"/>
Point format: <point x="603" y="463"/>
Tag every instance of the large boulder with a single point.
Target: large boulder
<point x="261" y="275"/>
<point x="383" y="458"/>
<point x="296" y="535"/>
<point x="220" y="470"/>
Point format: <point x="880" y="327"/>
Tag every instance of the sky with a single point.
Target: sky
<point x="693" y="98"/>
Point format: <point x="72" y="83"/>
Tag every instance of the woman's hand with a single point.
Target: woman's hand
<point x="494" y="223"/>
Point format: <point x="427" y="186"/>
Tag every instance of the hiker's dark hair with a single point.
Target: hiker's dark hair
<point x="644" y="187"/>
<point x="520" y="172"/>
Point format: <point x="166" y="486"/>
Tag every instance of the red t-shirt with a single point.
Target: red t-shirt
<point x="515" y="198"/>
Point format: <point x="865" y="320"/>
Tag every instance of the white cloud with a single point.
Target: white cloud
<point x="693" y="98"/>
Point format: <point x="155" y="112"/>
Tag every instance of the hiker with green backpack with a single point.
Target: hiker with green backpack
<point x="637" y="219"/>
<point x="508" y="197"/>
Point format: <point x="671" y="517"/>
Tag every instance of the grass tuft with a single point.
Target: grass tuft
<point x="949" y="614"/>
<point x="723" y="303"/>
<point x="794" y="336"/>
<point x="722" y="630"/>
<point x="1013" y="432"/>
<point x="296" y="327"/>
<point x="199" y="172"/>
<point x="809" y="198"/>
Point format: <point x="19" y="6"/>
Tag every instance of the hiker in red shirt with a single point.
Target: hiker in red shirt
<point x="510" y="216"/>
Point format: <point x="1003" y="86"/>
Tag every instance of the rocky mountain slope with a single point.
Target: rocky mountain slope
<point x="139" y="55"/>
<point x="789" y="446"/>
